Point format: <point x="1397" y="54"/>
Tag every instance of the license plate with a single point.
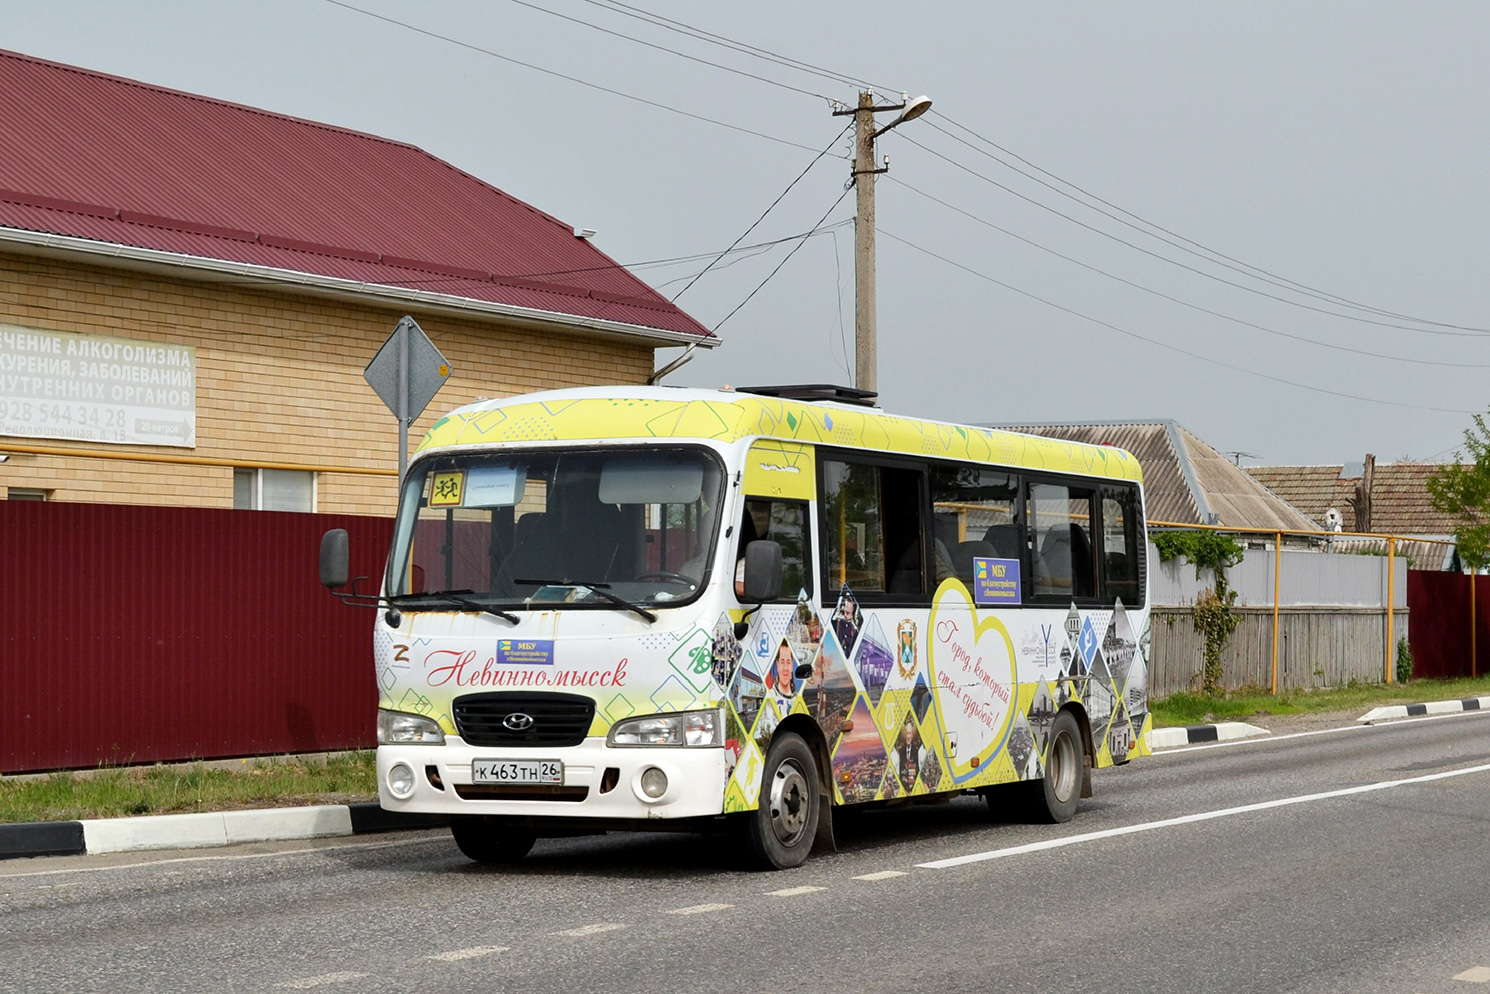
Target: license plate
<point x="545" y="771"/>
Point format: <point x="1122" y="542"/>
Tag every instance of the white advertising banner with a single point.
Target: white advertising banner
<point x="89" y="388"/>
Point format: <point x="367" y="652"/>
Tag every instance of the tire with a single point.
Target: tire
<point x="1054" y="797"/>
<point x="491" y="843"/>
<point x="780" y="832"/>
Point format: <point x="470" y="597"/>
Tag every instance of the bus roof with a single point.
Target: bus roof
<point x="638" y="412"/>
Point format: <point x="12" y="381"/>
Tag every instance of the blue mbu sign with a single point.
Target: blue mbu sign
<point x="525" y="652"/>
<point x="996" y="581"/>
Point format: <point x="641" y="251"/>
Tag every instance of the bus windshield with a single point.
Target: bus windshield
<point x="551" y="528"/>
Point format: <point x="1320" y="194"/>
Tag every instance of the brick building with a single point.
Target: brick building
<point x="190" y="290"/>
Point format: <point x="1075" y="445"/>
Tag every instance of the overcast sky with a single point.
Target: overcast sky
<point x="1340" y="147"/>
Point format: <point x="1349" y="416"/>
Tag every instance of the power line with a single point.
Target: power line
<point x="739" y="258"/>
<point x="734" y="45"/>
<point x="609" y="267"/>
<point x="1456" y="449"/>
<point x="745" y="255"/>
<point x="1281" y="281"/>
<point x="827" y="148"/>
<point x="572" y="79"/>
<point x="815" y="228"/>
<point x="1183" y="303"/>
<point x="1188" y="268"/>
<point x="670" y="51"/>
<point x="1165" y="345"/>
<point x="838" y="294"/>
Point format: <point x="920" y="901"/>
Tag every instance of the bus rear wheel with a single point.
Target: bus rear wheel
<point x="1054" y="797"/>
<point x="780" y="832"/>
<point x="490" y="842"/>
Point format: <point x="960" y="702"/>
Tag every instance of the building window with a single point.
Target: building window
<point x="274" y="490"/>
<point x="27" y="493"/>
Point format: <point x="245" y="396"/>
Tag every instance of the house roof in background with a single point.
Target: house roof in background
<point x="1399" y="495"/>
<point x="111" y="160"/>
<point x="1184" y="479"/>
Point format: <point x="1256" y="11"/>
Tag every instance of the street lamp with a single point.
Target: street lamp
<point x="913" y="110"/>
<point x="863" y="176"/>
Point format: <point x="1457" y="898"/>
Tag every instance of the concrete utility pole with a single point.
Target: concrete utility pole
<point x="864" y="171"/>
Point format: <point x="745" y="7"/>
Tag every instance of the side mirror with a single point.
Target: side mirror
<point x="762" y="571"/>
<point x="334" y="557"/>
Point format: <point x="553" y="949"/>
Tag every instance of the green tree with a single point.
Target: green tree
<point x="1463" y="490"/>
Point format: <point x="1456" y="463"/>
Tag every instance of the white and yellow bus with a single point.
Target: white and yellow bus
<point x="646" y="607"/>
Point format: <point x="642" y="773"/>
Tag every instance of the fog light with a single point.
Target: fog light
<point x="400" y="780"/>
<point x="654" y="782"/>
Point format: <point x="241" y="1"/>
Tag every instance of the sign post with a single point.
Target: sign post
<point x="406" y="373"/>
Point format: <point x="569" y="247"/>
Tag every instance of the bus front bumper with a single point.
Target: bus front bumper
<point x="442" y="782"/>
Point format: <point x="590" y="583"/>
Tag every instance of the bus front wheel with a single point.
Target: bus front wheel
<point x="493" y="844"/>
<point x="1054" y="797"/>
<point x="781" y="830"/>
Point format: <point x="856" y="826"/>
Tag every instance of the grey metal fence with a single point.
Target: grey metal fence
<point x="1332" y="620"/>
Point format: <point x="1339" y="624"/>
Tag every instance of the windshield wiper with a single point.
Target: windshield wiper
<point x="454" y="597"/>
<point x="598" y="589"/>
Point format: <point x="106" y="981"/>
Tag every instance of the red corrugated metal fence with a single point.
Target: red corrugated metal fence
<point x="1439" y="634"/>
<point x="137" y="634"/>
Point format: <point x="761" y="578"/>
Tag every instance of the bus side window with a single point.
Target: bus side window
<point x="973" y="518"/>
<point x="872" y="520"/>
<point x="785" y="523"/>
<point x="1062" y="553"/>
<point x="1121" y="532"/>
<point x="853" y="532"/>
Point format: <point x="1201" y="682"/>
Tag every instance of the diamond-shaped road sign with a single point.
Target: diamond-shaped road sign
<point x="427" y="370"/>
<point x="406" y="373"/>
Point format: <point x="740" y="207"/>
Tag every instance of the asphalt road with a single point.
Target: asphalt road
<point x="1363" y="888"/>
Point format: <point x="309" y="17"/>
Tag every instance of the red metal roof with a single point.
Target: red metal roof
<point x="109" y="159"/>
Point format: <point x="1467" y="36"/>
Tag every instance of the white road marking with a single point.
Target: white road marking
<point x="227" y="858"/>
<point x="322" y="980"/>
<point x="590" y="929"/>
<point x="475" y="952"/>
<point x="1475" y="975"/>
<point x="1071" y="840"/>
<point x="1318" y="731"/>
<point x="793" y="891"/>
<point x="700" y="909"/>
<point x="881" y="875"/>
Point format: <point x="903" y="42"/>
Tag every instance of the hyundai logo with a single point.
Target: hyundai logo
<point x="518" y="722"/>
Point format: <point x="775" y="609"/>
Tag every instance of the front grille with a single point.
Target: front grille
<point x="557" y="719"/>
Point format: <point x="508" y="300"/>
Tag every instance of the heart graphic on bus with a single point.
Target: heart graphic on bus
<point x="971" y="662"/>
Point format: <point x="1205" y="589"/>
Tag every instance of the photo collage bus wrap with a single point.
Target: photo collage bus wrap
<point x="959" y="607"/>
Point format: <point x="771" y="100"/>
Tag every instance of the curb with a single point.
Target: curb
<point x="210" y="828"/>
<point x="1417" y="710"/>
<point x="1171" y="738"/>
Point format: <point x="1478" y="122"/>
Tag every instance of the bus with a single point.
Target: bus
<point x="644" y="608"/>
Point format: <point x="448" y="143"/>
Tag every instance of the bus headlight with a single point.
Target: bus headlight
<point x="683" y="728"/>
<point x="403" y="728"/>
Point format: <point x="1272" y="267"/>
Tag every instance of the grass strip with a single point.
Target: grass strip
<point x="115" y="792"/>
<point x="1200" y="709"/>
